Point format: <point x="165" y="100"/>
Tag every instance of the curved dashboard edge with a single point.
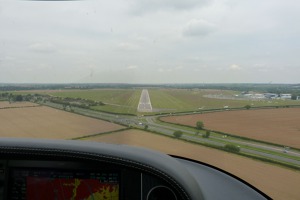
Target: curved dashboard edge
<point x="155" y="163"/>
<point x="235" y="185"/>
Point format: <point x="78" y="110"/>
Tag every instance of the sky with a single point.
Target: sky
<point x="150" y="41"/>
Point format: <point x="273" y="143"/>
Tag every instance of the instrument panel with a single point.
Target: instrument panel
<point x="52" y="169"/>
<point x="55" y="169"/>
<point x="23" y="179"/>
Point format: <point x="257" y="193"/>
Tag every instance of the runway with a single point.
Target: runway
<point x="145" y="102"/>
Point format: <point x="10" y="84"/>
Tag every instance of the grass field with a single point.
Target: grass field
<point x="120" y="101"/>
<point x="176" y="100"/>
<point x="123" y="101"/>
<point x="279" y="183"/>
<point x="279" y="126"/>
<point x="45" y="122"/>
<point x="163" y="100"/>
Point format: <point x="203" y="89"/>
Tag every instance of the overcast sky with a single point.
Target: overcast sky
<point x="150" y="41"/>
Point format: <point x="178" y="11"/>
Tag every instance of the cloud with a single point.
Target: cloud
<point x="43" y="47"/>
<point x="172" y="69"/>
<point x="165" y="34"/>
<point x="161" y="70"/>
<point x="7" y="58"/>
<point x="198" y="27"/>
<point x="132" y="67"/>
<point x="234" y="67"/>
<point x="126" y="46"/>
<point x="261" y="67"/>
<point x="145" y="6"/>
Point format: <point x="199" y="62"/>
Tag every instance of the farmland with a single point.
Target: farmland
<point x="115" y="100"/>
<point x="179" y="100"/>
<point x="164" y="100"/>
<point x="279" y="126"/>
<point x="45" y="122"/>
<point x="275" y="181"/>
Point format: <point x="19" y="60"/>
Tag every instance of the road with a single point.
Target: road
<point x="254" y="148"/>
<point x="151" y="120"/>
<point x="145" y="103"/>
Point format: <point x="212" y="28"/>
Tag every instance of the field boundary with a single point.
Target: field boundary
<point x="222" y="110"/>
<point x="98" y="134"/>
<point x="13" y="107"/>
<point x="114" y="113"/>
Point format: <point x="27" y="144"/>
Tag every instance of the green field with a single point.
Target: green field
<point x="116" y="100"/>
<point x="125" y="101"/>
<point x="178" y="100"/>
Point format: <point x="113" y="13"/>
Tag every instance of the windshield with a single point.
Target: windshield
<point x="214" y="81"/>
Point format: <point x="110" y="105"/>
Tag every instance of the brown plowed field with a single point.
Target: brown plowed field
<point x="281" y="126"/>
<point x="277" y="182"/>
<point x="45" y="122"/>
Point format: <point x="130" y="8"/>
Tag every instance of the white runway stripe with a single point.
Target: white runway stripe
<point x="145" y="102"/>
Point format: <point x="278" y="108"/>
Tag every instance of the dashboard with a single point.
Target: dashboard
<point x="58" y="169"/>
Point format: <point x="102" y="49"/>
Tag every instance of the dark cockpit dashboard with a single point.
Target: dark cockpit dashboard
<point x="57" y="169"/>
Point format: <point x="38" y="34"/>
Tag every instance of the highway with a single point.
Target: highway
<point x="255" y="148"/>
<point x="220" y="142"/>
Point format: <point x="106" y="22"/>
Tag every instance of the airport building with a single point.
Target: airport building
<point x="285" y="96"/>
